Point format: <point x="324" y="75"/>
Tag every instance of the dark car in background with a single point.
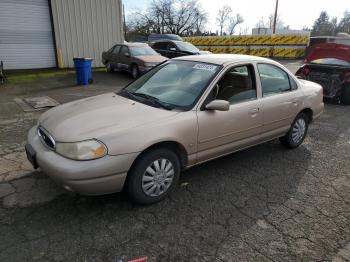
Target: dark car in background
<point x="136" y="58"/>
<point x="159" y="37"/>
<point x="173" y="48"/>
<point x="328" y="64"/>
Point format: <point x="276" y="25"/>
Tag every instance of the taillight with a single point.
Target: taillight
<point x="347" y="77"/>
<point x="303" y="72"/>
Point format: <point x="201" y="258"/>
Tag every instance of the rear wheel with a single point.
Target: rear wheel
<point x="297" y="132"/>
<point x="345" y="96"/>
<point x="135" y="71"/>
<point x="109" y="67"/>
<point x="153" y="176"/>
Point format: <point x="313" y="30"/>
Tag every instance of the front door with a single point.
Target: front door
<point x="124" y="58"/>
<point x="221" y="132"/>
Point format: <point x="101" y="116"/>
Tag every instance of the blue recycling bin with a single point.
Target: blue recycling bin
<point x="83" y="70"/>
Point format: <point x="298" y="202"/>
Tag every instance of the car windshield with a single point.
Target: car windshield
<point x="330" y="61"/>
<point x="142" y="50"/>
<point x="184" y="46"/>
<point x="177" y="84"/>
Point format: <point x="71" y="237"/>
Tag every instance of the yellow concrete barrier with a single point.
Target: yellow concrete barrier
<point x="250" y="40"/>
<point x="287" y="46"/>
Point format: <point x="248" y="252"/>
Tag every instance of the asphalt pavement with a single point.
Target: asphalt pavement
<point x="265" y="203"/>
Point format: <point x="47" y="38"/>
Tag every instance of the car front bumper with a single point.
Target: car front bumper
<point x="93" y="177"/>
<point x="144" y="69"/>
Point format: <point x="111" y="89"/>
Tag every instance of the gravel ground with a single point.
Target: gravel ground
<point x="265" y="203"/>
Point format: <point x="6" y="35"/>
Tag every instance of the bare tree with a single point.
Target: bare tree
<point x="223" y="17"/>
<point x="279" y="21"/>
<point x="268" y="23"/>
<point x="243" y="31"/>
<point x="233" y="22"/>
<point x="170" y="16"/>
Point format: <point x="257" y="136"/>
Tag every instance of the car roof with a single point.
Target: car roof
<point x="135" y="44"/>
<point x="221" y="59"/>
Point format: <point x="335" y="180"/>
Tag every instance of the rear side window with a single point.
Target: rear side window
<point x="293" y="84"/>
<point x="273" y="79"/>
<point x="116" y="49"/>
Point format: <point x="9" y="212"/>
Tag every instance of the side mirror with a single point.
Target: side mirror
<point x="127" y="54"/>
<point x="219" y="105"/>
<point x="172" y="49"/>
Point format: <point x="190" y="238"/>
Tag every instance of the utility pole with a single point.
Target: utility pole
<point x="124" y="23"/>
<point x="275" y="19"/>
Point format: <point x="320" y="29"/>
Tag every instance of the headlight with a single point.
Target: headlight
<point x="84" y="150"/>
<point x="150" y="64"/>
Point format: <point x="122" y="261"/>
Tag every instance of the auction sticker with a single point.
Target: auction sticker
<point x="205" y="67"/>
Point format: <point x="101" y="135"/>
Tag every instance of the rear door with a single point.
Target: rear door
<point x="114" y="56"/>
<point x="281" y="99"/>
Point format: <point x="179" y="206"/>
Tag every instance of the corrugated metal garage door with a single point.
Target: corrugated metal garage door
<point x="26" y="34"/>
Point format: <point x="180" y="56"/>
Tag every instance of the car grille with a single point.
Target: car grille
<point x="46" y="138"/>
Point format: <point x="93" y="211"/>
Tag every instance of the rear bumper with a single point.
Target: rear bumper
<point x="318" y="111"/>
<point x="94" y="177"/>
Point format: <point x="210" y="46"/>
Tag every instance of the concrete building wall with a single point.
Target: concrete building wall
<point x="86" y="28"/>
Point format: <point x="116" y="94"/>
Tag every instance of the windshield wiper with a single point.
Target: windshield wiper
<point x="153" y="100"/>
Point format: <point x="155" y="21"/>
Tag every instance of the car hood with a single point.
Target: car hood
<point x="329" y="50"/>
<point x="152" y="58"/>
<point x="98" y="116"/>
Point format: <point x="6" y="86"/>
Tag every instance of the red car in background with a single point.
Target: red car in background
<point x="328" y="64"/>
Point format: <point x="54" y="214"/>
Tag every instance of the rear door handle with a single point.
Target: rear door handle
<point x="254" y="111"/>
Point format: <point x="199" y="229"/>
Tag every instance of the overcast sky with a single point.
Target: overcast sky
<point x="295" y="13"/>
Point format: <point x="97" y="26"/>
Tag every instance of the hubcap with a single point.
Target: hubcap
<point x="298" y="130"/>
<point x="158" y="177"/>
<point x="134" y="72"/>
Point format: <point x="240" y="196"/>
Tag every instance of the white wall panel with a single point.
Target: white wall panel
<point x="26" y="35"/>
<point x="86" y="28"/>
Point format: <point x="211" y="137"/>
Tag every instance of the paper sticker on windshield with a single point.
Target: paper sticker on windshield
<point x="205" y="67"/>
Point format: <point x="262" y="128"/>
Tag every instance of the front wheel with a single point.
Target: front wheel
<point x="297" y="132"/>
<point x="345" y="96"/>
<point x="153" y="176"/>
<point x="134" y="71"/>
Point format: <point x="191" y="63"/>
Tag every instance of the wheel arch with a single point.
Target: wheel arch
<point x="308" y="112"/>
<point x="174" y="146"/>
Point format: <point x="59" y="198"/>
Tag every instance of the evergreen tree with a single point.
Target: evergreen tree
<point x="344" y="24"/>
<point x="323" y="26"/>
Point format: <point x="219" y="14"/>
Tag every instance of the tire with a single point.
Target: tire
<point x="143" y="186"/>
<point x="109" y="67"/>
<point x="297" y="132"/>
<point x="345" y="95"/>
<point x="135" y="71"/>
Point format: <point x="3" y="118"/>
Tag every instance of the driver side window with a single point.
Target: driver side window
<point x="236" y="85"/>
<point x="124" y="50"/>
<point x="171" y="45"/>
